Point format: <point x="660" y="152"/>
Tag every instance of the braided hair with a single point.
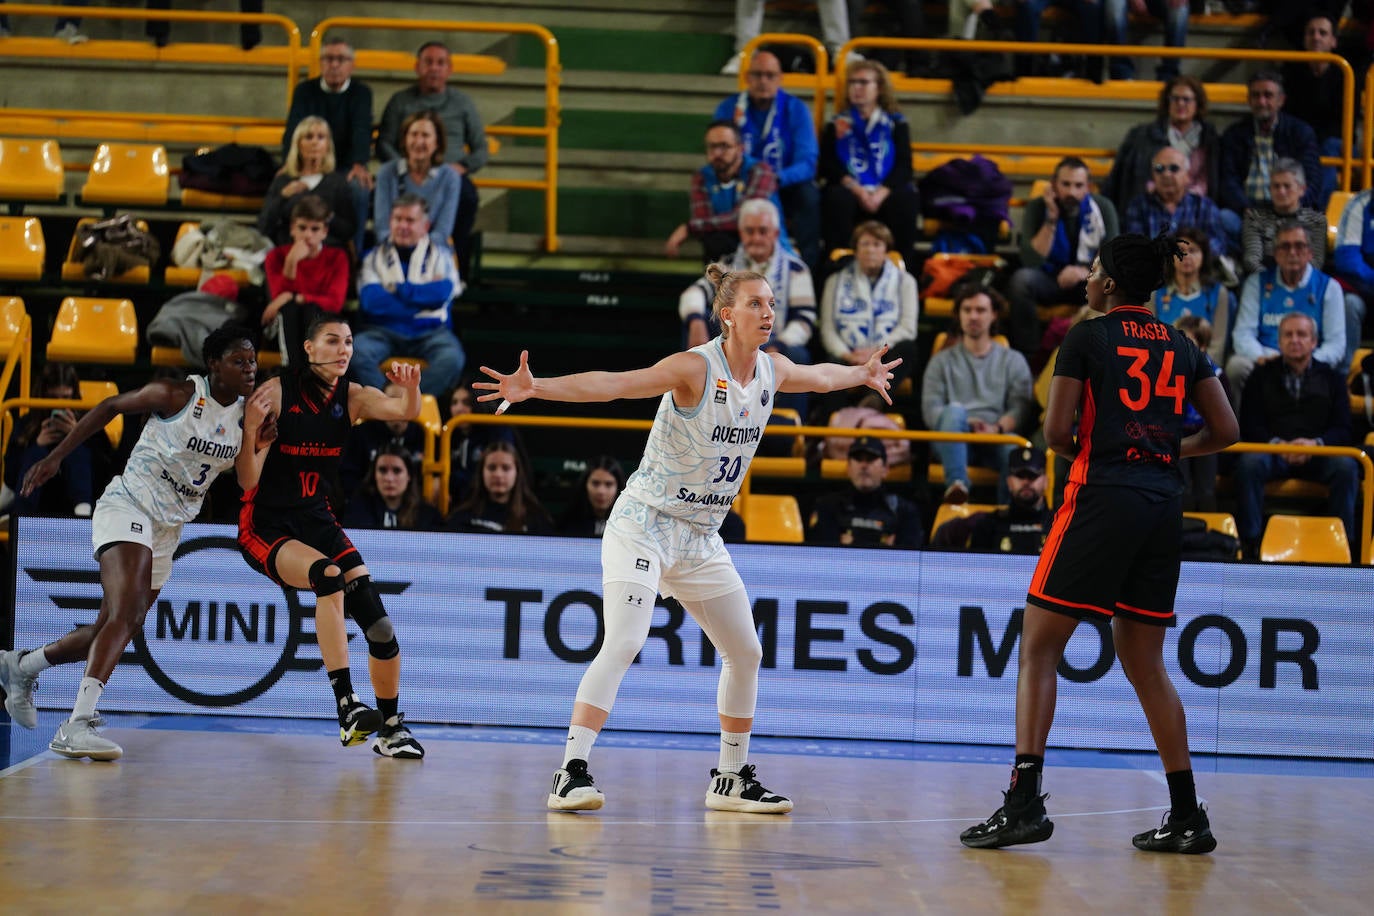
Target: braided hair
<point x="1138" y="263"/>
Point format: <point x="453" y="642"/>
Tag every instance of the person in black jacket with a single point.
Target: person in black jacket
<point x="390" y="497"/>
<point x="1297" y="400"/>
<point x="593" y="497"/>
<point x="502" y="500"/>
<point x="865" y="513"/>
<point x="1021" y="526"/>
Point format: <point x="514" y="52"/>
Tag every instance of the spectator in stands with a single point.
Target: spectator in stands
<point x="760" y="250"/>
<point x="593" y="496"/>
<point x="1087" y="18"/>
<point x="250" y="34"/>
<point x="865" y="513"/>
<point x="1287" y="184"/>
<point x="72" y="491"/>
<point x="866" y="163"/>
<point x="406" y="287"/>
<point x="421" y="172"/>
<point x="1269" y="294"/>
<point x="1199" y="472"/>
<point x="309" y="169"/>
<point x="369" y="438"/>
<point x="345" y="104"/>
<point x="1172" y="205"/>
<point x="390" y="497"/>
<point x="749" y="23"/>
<point x="501" y="500"/>
<point x="777" y="128"/>
<point x="1353" y="260"/>
<point x="1295" y="400"/>
<point x="1316" y="90"/>
<point x="1250" y="146"/>
<point x="304" y="277"/>
<point x="1018" y="527"/>
<point x="1290" y="19"/>
<point x="470" y="439"/>
<point x="1182" y="123"/>
<point x="871" y="302"/>
<point x="1192" y="290"/>
<point x="976" y="385"/>
<point x="67" y="28"/>
<point x="1061" y="232"/>
<point x="729" y="179"/>
<point x="1174" y="15"/>
<point x="465" y="149"/>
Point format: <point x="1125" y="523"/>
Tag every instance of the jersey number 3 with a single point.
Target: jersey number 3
<point x="1167" y="385"/>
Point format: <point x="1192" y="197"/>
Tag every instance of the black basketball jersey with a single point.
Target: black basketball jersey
<point x="303" y="462"/>
<point x="1138" y="374"/>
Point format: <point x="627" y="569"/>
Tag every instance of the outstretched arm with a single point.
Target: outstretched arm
<point x="874" y="373"/>
<point x="684" y="374"/>
<point x="163" y="396"/>
<point x="368" y="403"/>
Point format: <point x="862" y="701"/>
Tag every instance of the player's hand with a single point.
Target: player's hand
<point x="516" y="387"/>
<point x="407" y="375"/>
<point x="46" y="469"/>
<point x="880" y="373"/>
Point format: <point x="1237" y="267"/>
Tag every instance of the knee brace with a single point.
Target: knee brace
<point x="364" y="605"/>
<point x="325" y="584"/>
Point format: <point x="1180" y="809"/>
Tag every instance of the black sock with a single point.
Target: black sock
<point x="342" y="682"/>
<point x="388" y="708"/>
<point x="1182" y="794"/>
<point x="1025" y="777"/>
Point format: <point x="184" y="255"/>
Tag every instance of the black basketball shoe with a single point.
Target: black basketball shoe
<point x="1189" y="836"/>
<point x="1011" y="825"/>
<point x="356" y="721"/>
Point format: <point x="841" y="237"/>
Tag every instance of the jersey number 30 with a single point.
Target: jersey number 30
<point x="1167" y="385"/>
<point x="729" y="470"/>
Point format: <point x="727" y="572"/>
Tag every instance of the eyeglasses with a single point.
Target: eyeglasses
<point x="764" y="74"/>
<point x="1292" y="246"/>
<point x="719" y="147"/>
<point x="335" y="58"/>
<point x="1170" y="167"/>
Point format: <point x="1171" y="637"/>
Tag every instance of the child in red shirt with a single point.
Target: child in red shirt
<point x="304" y="277"/>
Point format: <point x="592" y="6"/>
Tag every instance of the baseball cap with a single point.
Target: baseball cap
<point x="868" y="445"/>
<point x="1026" y="459"/>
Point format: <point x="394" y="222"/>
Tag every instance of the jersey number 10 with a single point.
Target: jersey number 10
<point x="1166" y="385"/>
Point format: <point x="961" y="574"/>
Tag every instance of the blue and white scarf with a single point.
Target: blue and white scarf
<point x="1091" y="230"/>
<point x="727" y="195"/>
<point x="763" y="141"/>
<point x="866" y="148"/>
<point x="866" y="312"/>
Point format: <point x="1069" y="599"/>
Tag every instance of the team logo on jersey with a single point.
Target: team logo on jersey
<point x="744" y="413"/>
<point x="136" y="527"/>
<point x="219" y="430"/>
<point x="199" y="409"/>
<point x="763" y="398"/>
<point x="722" y="385"/>
<point x="642" y="564"/>
<point x="294" y="408"/>
<point x="721" y="396"/>
<point x="337" y="411"/>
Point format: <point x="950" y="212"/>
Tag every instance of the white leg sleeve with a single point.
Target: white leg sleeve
<point x="728" y="621"/>
<point x="628" y="609"/>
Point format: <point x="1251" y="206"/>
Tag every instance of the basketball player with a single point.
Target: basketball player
<point x="1113" y="550"/>
<point x="662" y="534"/>
<point x="192" y="435"/>
<point x="288" y="531"/>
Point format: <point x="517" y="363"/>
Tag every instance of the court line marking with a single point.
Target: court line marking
<point x="531" y="822"/>
<point x="25" y="764"/>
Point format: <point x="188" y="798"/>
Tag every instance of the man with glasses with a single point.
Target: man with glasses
<point x="1271" y="294"/>
<point x="776" y="128"/>
<point x="1173" y="205"/>
<point x="1018" y="527"/>
<point x="729" y="178"/>
<point x="865" y="513"/>
<point x="1250" y="146"/>
<point x="346" y="105"/>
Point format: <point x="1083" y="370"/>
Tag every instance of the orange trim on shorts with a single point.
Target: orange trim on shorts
<point x="1107" y="612"/>
<point x="1140" y="610"/>
<point x="1055" y="539"/>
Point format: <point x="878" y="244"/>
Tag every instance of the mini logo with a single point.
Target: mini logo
<point x="763" y="398"/>
<point x="635" y="599"/>
<point x="219" y="430"/>
<point x="721" y="397"/>
<point x="744" y="413"/>
<point x="199" y="408"/>
<point x="294" y="408"/>
<point x="136" y="527"/>
<point x="337" y="411"/>
<point x="642" y="564"/>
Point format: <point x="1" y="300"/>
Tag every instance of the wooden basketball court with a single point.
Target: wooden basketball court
<point x="261" y="818"/>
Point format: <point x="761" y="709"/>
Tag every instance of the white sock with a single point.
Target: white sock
<point x="33" y="662"/>
<point x="86" y="696"/>
<point x="580" y="741"/>
<point x="734" y="751"/>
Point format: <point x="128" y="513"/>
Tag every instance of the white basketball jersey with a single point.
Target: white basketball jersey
<point x="695" y="460"/>
<point x="177" y="458"/>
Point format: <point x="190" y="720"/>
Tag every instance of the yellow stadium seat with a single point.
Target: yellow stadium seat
<point x="773" y="518"/>
<point x="429" y="415"/>
<point x="390" y="361"/>
<point x="1334" y="208"/>
<point x="74" y="272"/>
<point x="128" y="174"/>
<point x="945" y="512"/>
<point x="92" y="393"/>
<point x="172" y="356"/>
<point x="790" y="416"/>
<point x="1357" y="405"/>
<point x="12" y="314"/>
<point x="22" y="249"/>
<point x="176" y="275"/>
<point x="1223" y="522"/>
<point x="943" y="307"/>
<point x="1304" y="539"/>
<point x="94" y="331"/>
<point x="31" y="170"/>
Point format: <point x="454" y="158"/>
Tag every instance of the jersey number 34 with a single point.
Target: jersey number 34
<point x="1165" y="385"/>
